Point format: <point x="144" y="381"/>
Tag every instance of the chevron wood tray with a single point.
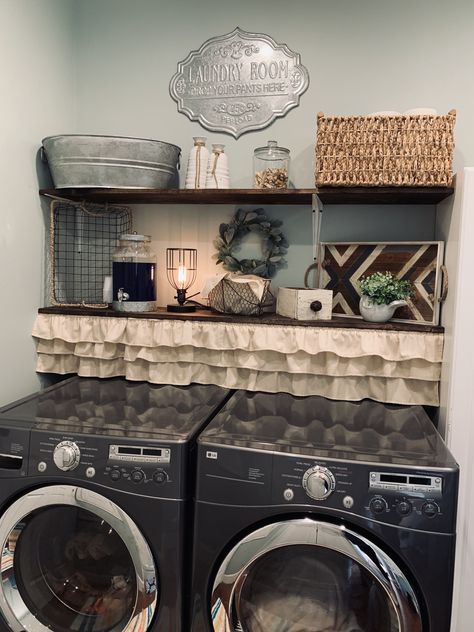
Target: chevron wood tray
<point x="341" y="265"/>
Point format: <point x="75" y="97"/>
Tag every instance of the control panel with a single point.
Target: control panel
<point x="135" y="466"/>
<point x="410" y="497"/>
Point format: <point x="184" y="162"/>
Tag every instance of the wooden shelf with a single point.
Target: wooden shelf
<point x="384" y="195"/>
<point x="185" y="196"/>
<point x="266" y="319"/>
<point x="328" y="195"/>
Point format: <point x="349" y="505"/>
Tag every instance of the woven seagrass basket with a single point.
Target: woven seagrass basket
<point x="398" y="150"/>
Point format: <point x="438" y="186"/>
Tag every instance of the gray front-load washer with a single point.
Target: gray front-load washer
<point x="95" y="480"/>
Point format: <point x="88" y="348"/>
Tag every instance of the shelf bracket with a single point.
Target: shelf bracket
<point x="317" y="211"/>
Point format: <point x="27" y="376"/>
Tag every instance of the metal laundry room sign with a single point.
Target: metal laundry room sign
<point x="239" y="82"/>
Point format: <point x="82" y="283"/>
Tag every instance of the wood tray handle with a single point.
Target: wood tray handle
<point x="445" y="286"/>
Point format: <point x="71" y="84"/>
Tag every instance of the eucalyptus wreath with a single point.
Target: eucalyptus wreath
<point x="274" y="243"/>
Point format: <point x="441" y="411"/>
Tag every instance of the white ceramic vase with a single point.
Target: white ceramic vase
<point x="378" y="313"/>
<point x="217" y="176"/>
<point x="197" y="164"/>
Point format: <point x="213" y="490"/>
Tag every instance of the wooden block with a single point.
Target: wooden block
<point x="302" y="303"/>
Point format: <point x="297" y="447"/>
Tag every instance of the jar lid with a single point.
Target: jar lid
<point x="271" y="150"/>
<point x="134" y="237"/>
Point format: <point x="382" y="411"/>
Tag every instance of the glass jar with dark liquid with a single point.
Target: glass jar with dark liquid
<point x="133" y="275"/>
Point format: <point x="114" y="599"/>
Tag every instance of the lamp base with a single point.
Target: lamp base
<point x="181" y="309"/>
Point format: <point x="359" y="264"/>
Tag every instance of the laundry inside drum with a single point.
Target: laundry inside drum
<point x="74" y="571"/>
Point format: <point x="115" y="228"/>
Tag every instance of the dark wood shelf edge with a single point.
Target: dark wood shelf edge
<point x="265" y="319"/>
<point x="328" y="195"/>
<point x="384" y="195"/>
<point x="184" y="196"/>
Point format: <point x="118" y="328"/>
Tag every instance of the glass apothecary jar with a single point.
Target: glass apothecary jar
<point x="271" y="166"/>
<point x="133" y="274"/>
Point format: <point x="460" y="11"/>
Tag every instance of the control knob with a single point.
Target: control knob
<point x="66" y="456"/>
<point x="319" y="482"/>
<point x="160" y="476"/>
<point x="378" y="505"/>
<point x="430" y="509"/>
<point x="137" y="476"/>
<point x="404" y="507"/>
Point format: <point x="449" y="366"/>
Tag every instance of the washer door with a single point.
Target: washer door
<point x="309" y="576"/>
<point x="73" y="561"/>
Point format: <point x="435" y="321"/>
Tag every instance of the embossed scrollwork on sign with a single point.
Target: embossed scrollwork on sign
<point x="239" y="82"/>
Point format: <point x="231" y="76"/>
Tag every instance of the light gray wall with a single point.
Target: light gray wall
<point x="362" y="56"/>
<point x="36" y="100"/>
<point x="103" y="66"/>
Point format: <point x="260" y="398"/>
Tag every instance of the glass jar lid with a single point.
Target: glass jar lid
<point x="271" y="151"/>
<point x="134" y="237"/>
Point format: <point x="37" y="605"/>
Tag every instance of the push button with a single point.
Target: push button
<point x="115" y="475"/>
<point x="288" y="494"/>
<point x="348" y="502"/>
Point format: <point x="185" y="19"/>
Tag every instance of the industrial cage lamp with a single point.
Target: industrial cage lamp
<point x="181" y="270"/>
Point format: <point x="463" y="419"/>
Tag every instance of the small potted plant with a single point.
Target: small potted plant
<point x="382" y="293"/>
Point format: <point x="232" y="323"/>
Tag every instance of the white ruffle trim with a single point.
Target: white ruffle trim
<point x="389" y="366"/>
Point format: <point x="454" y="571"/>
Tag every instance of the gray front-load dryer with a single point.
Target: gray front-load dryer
<point x="95" y="480"/>
<point x="315" y="515"/>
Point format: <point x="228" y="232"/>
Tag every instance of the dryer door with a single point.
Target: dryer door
<point x="306" y="575"/>
<point x="73" y="561"/>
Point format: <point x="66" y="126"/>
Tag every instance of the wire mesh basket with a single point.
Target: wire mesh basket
<point x="230" y="297"/>
<point x="82" y="241"/>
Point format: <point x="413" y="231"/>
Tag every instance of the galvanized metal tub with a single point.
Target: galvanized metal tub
<point x="80" y="161"/>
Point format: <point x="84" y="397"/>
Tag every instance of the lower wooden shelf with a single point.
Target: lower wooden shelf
<point x="266" y="319"/>
<point x="344" y="359"/>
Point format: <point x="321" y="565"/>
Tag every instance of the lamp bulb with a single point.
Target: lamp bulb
<point x="182" y="274"/>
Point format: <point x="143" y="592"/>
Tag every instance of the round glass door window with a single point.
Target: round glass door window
<point x="309" y="576"/>
<point x="295" y="588"/>
<point x="67" y="568"/>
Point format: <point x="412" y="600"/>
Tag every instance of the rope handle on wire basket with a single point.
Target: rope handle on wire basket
<point x="313" y="266"/>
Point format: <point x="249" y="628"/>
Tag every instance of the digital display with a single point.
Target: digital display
<point x="418" y="480"/>
<point x="405" y="484"/>
<point x="128" y="450"/>
<point x="138" y="454"/>
<point x="393" y="478"/>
